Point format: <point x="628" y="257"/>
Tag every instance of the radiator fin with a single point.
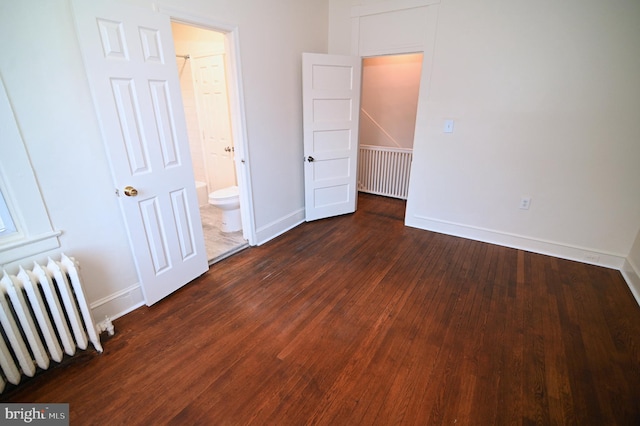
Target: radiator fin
<point x="43" y="311"/>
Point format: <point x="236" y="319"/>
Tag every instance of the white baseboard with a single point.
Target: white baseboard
<point x="279" y="227"/>
<point x="121" y="303"/>
<point x="118" y="304"/>
<point x="131" y="298"/>
<point x="631" y="274"/>
<point x="629" y="271"/>
<point x="549" y="248"/>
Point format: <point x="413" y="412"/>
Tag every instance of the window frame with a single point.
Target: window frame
<point x="34" y="232"/>
<point x="7" y="227"/>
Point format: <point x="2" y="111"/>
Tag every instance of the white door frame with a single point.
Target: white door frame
<point x="236" y="107"/>
<point x="370" y="26"/>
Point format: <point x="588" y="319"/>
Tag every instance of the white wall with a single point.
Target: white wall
<point x="42" y="68"/>
<point x="534" y="90"/>
<point x="272" y="37"/>
<point x="545" y="98"/>
<point x="44" y="77"/>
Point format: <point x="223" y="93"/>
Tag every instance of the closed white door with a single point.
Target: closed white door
<point x="214" y="120"/>
<point x="130" y="62"/>
<point x="331" y="105"/>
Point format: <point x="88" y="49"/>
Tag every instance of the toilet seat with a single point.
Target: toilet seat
<point x="225" y="194"/>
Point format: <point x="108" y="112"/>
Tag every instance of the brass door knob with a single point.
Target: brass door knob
<point x="130" y="191"/>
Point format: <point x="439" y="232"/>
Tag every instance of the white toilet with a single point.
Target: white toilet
<point x="228" y="200"/>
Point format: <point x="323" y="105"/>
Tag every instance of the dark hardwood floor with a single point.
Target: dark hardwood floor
<point x="359" y="320"/>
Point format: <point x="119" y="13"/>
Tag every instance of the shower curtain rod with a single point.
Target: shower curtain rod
<point x="184" y="56"/>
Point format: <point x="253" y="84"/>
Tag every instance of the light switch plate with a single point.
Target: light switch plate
<point x="448" y="126"/>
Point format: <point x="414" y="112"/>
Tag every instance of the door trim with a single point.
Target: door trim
<point x="236" y="107"/>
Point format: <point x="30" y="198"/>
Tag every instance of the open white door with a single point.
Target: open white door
<point x="331" y="105"/>
<point x="214" y="119"/>
<point x="130" y="62"/>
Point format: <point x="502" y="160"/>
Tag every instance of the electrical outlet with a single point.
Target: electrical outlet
<point x="525" y="202"/>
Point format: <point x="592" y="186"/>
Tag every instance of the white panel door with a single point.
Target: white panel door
<point x="331" y="105"/>
<point x="214" y="120"/>
<point x="130" y="62"/>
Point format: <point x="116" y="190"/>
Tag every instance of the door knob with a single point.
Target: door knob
<point x="130" y="191"/>
<point x="310" y="159"/>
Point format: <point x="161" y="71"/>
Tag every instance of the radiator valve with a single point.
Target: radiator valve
<point x="107" y="326"/>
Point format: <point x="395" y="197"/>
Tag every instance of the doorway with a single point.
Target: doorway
<point x="388" y="107"/>
<point x="201" y="60"/>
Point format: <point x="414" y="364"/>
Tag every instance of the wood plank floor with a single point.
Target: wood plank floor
<point x="361" y="320"/>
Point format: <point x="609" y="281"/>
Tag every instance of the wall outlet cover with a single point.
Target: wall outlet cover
<point x="525" y="203"/>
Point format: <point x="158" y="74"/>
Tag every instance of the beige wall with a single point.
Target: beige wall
<point x="190" y="40"/>
<point x="389" y="100"/>
<point x="546" y="99"/>
<point x="191" y="117"/>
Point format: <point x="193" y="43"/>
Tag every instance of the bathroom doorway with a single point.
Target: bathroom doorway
<point x="201" y="60"/>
